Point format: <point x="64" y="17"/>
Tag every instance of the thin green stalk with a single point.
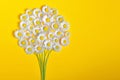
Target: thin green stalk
<point x="40" y="63"/>
<point x="42" y="60"/>
<point x="47" y="57"/>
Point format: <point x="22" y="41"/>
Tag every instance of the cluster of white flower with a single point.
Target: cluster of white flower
<point x="42" y="29"/>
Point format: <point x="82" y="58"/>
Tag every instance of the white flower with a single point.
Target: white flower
<point x="27" y="34"/>
<point x="57" y="47"/>
<point x="37" y="21"/>
<point x="31" y="27"/>
<point x="64" y="26"/>
<point x="55" y="26"/>
<point x="47" y="20"/>
<point x="59" y="33"/>
<point x="41" y="37"/>
<point x="23" y="25"/>
<point x="50" y="35"/>
<point x="36" y="12"/>
<point x="60" y="19"/>
<point x="23" y="43"/>
<point x="29" y="12"/>
<point x="19" y="34"/>
<point x="64" y="41"/>
<point x="48" y="44"/>
<point x="24" y="17"/>
<point x="45" y="28"/>
<point x="40" y="15"/>
<point x="31" y="18"/>
<point x="36" y="30"/>
<point x="54" y="11"/>
<point x="32" y="41"/>
<point x="39" y="49"/>
<point x="67" y="34"/>
<point x="55" y="40"/>
<point x="45" y="9"/>
<point x="29" y="49"/>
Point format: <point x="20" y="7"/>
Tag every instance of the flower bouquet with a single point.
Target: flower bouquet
<point x="40" y="32"/>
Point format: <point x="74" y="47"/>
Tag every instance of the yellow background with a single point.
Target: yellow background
<point x="94" y="51"/>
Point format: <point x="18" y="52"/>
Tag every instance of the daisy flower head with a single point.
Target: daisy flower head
<point x="42" y="29"/>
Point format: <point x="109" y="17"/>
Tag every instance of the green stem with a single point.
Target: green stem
<point x="42" y="61"/>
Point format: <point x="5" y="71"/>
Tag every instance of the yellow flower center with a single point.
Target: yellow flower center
<point x="24" y="17"/>
<point x="60" y="19"/>
<point x="51" y="36"/>
<point x="54" y="12"/>
<point x="47" y="19"/>
<point x="45" y="28"/>
<point x="31" y="19"/>
<point x="41" y="38"/>
<point x="38" y="22"/>
<point x="64" y="26"/>
<point x="55" y="26"/>
<point x="41" y="15"/>
<point x="39" y="48"/>
<point x="59" y="33"/>
<point x="31" y="27"/>
<point x="23" y="42"/>
<point x="56" y="40"/>
<point x="30" y="13"/>
<point x="29" y="49"/>
<point x="19" y="34"/>
<point x="28" y="34"/>
<point x="36" y="12"/>
<point x="33" y="41"/>
<point x="37" y="31"/>
<point x="48" y="44"/>
<point x="64" y="41"/>
<point x="57" y="47"/>
<point x="46" y="10"/>
<point x="24" y="25"/>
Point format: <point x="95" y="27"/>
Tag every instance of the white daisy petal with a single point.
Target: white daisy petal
<point x="64" y="41"/>
<point x="29" y="49"/>
<point x="23" y="43"/>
